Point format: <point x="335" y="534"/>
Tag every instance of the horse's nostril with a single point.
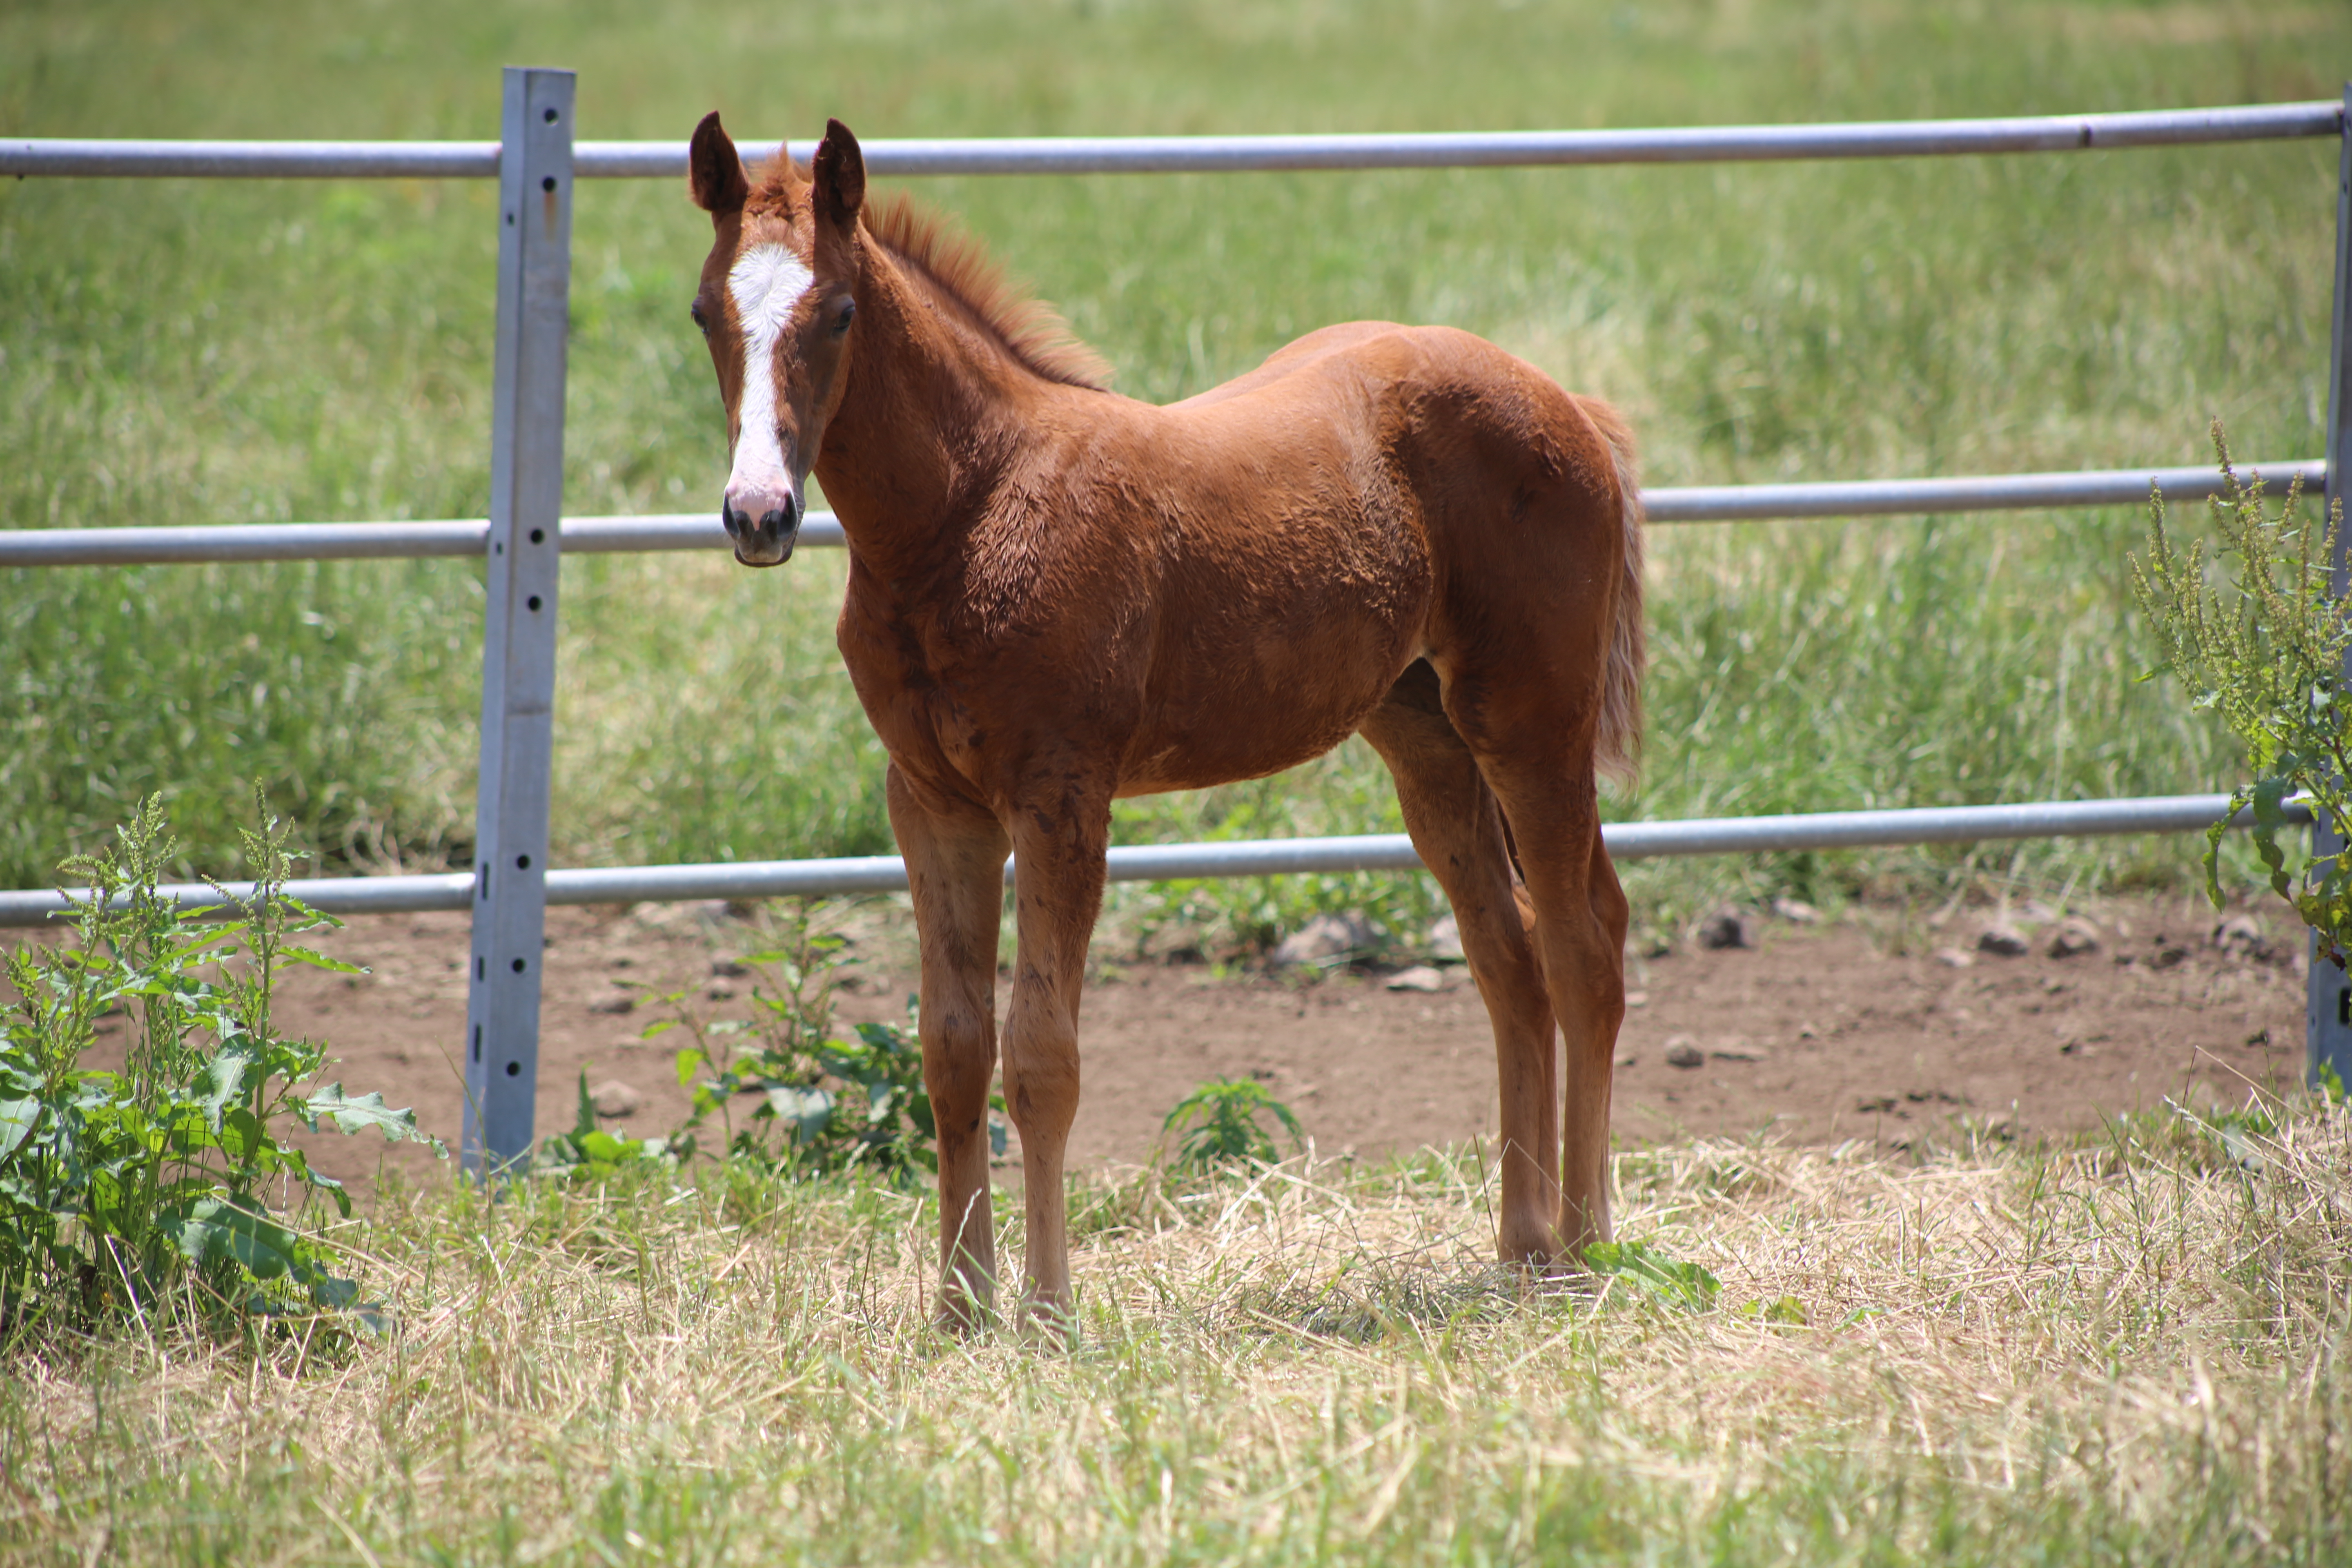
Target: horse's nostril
<point x="729" y="519"/>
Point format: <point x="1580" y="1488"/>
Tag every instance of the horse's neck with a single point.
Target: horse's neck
<point x="926" y="420"/>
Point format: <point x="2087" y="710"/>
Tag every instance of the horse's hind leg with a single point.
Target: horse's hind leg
<point x="955" y="867"/>
<point x="1459" y="831"/>
<point x="1540" y="769"/>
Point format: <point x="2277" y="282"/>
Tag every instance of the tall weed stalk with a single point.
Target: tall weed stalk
<point x="149" y="1191"/>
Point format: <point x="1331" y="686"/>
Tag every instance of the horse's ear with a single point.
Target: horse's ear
<point x="840" y="175"/>
<point x="714" y="171"/>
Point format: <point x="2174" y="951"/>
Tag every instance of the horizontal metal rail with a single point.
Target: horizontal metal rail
<point x="702" y="531"/>
<point x="1244" y="858"/>
<point x="81" y="158"/>
<point x="1982" y="492"/>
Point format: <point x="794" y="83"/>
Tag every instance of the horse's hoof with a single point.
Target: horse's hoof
<point x="964" y="1316"/>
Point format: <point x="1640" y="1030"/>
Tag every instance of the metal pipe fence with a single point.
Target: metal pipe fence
<point x="1214" y="154"/>
<point x="536" y="162"/>
<point x="846" y="874"/>
<point x="702" y="531"/>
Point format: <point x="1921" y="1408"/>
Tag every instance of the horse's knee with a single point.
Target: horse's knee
<point x="958" y="1059"/>
<point x="1041" y="1086"/>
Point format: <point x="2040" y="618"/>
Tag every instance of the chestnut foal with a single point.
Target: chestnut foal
<point x="1058" y="595"/>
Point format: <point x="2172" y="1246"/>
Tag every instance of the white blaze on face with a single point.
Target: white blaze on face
<point x="766" y="283"/>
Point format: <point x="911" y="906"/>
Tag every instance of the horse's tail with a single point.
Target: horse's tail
<point x="1619" y="745"/>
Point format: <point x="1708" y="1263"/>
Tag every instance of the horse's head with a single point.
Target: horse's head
<point x="775" y="306"/>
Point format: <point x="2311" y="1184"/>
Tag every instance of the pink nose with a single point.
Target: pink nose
<point x="762" y="523"/>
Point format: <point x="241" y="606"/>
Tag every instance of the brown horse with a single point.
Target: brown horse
<point x="1058" y="595"/>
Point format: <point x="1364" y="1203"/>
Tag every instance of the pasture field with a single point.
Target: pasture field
<point x="2129" y="1350"/>
<point x="185" y="352"/>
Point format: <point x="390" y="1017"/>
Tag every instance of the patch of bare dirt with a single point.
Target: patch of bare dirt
<point x="1850" y="1028"/>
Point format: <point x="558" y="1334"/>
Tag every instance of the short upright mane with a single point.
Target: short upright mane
<point x="955" y="263"/>
<point x="1031" y="331"/>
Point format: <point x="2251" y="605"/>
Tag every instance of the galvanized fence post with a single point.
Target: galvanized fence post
<point x="2328" y="1017"/>
<point x="509" y="888"/>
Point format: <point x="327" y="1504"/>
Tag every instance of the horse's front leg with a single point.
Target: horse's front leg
<point x="1059" y="841"/>
<point x="955" y="867"/>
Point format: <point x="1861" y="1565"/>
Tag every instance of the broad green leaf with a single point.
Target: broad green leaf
<point x="605" y="1147"/>
<point x="243" y="1136"/>
<point x="17" y="1119"/>
<point x="318" y="960"/>
<point x="807" y="1110"/>
<point x="1683" y="1283"/>
<point x="214" y="1229"/>
<point x="356" y="1113"/>
<point x="225" y="1079"/>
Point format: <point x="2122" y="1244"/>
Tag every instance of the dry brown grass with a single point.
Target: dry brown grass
<point x="2080" y="1351"/>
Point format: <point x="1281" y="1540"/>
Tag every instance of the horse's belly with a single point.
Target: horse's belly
<point x="1243" y="718"/>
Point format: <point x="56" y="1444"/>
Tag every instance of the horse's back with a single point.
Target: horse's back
<point x="1473" y="441"/>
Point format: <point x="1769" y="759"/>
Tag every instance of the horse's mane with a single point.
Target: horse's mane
<point x="960" y="268"/>
<point x="1031" y="331"/>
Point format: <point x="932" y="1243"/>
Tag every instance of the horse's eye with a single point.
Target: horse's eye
<point x="848" y="314"/>
<point x="701" y="320"/>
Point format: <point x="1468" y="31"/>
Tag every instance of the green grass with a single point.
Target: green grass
<point x="2127" y="1350"/>
<point x="181" y="351"/>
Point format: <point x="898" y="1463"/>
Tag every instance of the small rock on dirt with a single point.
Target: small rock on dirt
<point x="2002" y="940"/>
<point x="1736" y="1051"/>
<point x="614" y="1098"/>
<point x="2073" y="937"/>
<point x="1796" y="911"/>
<point x="729" y="968"/>
<point x="1727" y="928"/>
<point x="1323" y="939"/>
<point x="1628" y="1060"/>
<point x="1420" y="977"/>
<point x="1445" y="940"/>
<point x="613" y="1004"/>
<point x="1682" y="1053"/>
<point x="1954" y="958"/>
<point x="2240" y="936"/>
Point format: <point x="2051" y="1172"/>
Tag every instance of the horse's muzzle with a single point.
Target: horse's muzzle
<point x="767" y="540"/>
